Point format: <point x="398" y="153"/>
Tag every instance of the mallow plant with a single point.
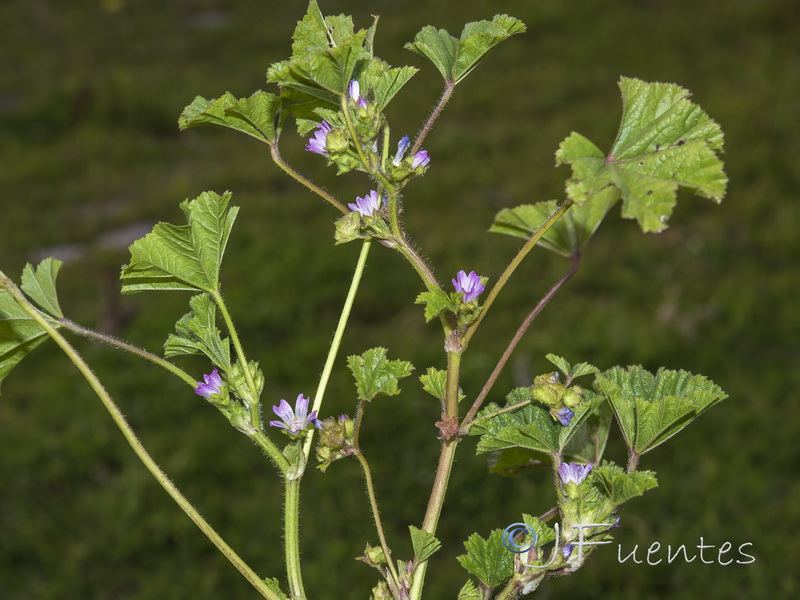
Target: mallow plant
<point x="334" y="92"/>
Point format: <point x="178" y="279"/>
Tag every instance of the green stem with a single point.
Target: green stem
<point x="337" y="337"/>
<point x="255" y="416"/>
<point x="523" y="252"/>
<point x="137" y="447"/>
<point x="373" y="501"/>
<point x="353" y="134"/>
<point x="434" y="510"/>
<point x="465" y="424"/>
<point x="112" y="341"/>
<point x="276" y="157"/>
<point x="292" y="539"/>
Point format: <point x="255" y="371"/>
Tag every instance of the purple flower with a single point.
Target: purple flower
<point x="564" y="415"/>
<point x="294" y="421"/>
<point x="212" y="385"/>
<point x="421" y="159"/>
<point x="317" y="145"/>
<point x="367" y="205"/>
<point x="470" y="285"/>
<point x="573" y="472"/>
<point x="566" y="550"/>
<point x="402" y="147"/>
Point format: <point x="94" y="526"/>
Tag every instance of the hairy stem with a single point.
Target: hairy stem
<point x="443" y="100"/>
<point x="291" y="532"/>
<point x="373" y="502"/>
<point x="633" y="460"/>
<point x="112" y="341"/>
<point x="337" y="337"/>
<point x="523" y="252"/>
<point x="417" y="262"/>
<point x="515" y="340"/>
<point x="278" y="159"/>
<point x="137" y="447"/>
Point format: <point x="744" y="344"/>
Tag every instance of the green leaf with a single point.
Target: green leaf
<point x="324" y="74"/>
<point x="274" y="585"/>
<point x="40" y="285"/>
<point x="479" y="37"/>
<point x="310" y="36"/>
<point x="425" y="544"/>
<point x="185" y="257"/>
<point x="568" y="370"/>
<point x="256" y="116"/>
<point x="468" y="592"/>
<point x="652" y="408"/>
<point x="569" y="234"/>
<point x="435" y="383"/>
<point x="529" y="427"/>
<point x="664" y="142"/>
<point x="389" y="83"/>
<point x="544" y="533"/>
<point x="436" y="302"/>
<point x="377" y="376"/>
<point x="197" y="333"/>
<point x="618" y="486"/>
<point x="19" y="334"/>
<point x="488" y="560"/>
<point x="455" y="58"/>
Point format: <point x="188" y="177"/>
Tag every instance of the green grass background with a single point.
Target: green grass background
<point x="90" y="91"/>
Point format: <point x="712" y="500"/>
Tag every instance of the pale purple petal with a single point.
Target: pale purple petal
<point x="284" y="411"/>
<point x="564" y="415"/>
<point x="212" y="385"/>
<point x="367" y="205"/>
<point x="421" y="159"/>
<point x="301" y="408"/>
<point x="277" y="424"/>
<point x="573" y="472"/>
<point x="318" y="144"/>
<point x="362" y="103"/>
<point x="470" y="285"/>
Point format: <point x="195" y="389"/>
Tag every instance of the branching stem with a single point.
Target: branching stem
<point x="284" y="166"/>
<point x="509" y="270"/>
<point x="162" y="478"/>
<point x="465" y="424"/>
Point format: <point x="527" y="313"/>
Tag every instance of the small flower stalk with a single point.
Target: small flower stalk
<point x="297" y="421"/>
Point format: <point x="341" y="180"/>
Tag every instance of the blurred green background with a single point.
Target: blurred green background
<point x="90" y="157"/>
